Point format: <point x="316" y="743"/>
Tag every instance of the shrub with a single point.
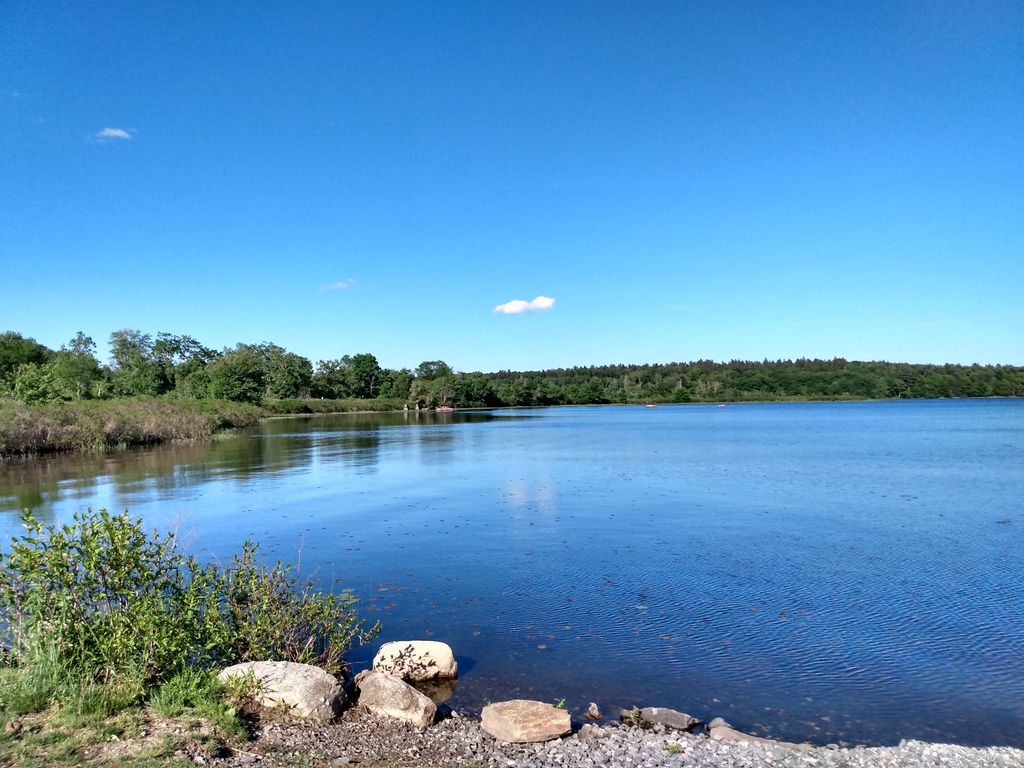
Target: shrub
<point x="103" y="598"/>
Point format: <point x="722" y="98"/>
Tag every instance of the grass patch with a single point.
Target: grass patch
<point x="101" y="424"/>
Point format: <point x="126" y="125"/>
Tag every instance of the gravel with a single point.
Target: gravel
<point x="362" y="740"/>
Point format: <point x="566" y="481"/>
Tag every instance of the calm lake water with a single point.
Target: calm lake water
<point x="839" y="571"/>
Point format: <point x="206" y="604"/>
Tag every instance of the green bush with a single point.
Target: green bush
<point x="295" y="405"/>
<point x="102" y="597"/>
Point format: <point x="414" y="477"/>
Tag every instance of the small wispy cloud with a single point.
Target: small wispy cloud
<point x="518" y="306"/>
<point x="113" y="134"/>
<point x="341" y="284"/>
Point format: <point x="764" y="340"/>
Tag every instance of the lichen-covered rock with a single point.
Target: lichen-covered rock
<point x="416" y="660"/>
<point x="521" y="721"/>
<point x="390" y="696"/>
<point x="305" y="691"/>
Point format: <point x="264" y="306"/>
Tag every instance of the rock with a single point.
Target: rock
<point x="667" y="717"/>
<point x="12" y="726"/>
<point x="308" y="692"/>
<point x="521" y="721"/>
<point x="717" y="722"/>
<point x="726" y="733"/>
<point x="390" y="696"/>
<point x="416" y="660"/>
<point x="593" y="712"/>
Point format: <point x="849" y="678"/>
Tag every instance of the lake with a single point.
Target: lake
<point x="809" y="571"/>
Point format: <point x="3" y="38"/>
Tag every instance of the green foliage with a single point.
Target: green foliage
<point x="103" y="598"/>
<point x="353" y="376"/>
<point x="35" y="384"/>
<point x="349" y="405"/>
<point x="672" y="747"/>
<point x="76" y="366"/>
<point x="15" y="351"/>
<point x="239" y="375"/>
<point x="135" y="369"/>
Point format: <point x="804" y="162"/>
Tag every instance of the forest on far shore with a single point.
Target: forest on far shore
<point x="180" y="367"/>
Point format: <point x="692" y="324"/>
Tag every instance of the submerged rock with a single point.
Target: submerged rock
<point x="520" y="721"/>
<point x="306" y="691"/>
<point x="387" y="695"/>
<point x="416" y="660"/>
<point x="727" y="733"/>
<point x="593" y="712"/>
<point x="670" y="718"/>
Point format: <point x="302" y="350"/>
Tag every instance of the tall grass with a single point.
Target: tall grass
<point x="100" y="424"/>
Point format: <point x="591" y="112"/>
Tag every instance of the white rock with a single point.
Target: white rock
<point x="416" y="660"/>
<point x="390" y="696"/>
<point x="308" y="692"/>
<point x="521" y="721"/>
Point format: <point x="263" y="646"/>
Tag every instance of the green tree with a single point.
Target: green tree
<point x="77" y="367"/>
<point x="16" y="350"/>
<point x="35" y="384"/>
<point x="288" y="374"/>
<point x="135" y="369"/>
<point x="365" y="375"/>
<point x="238" y="375"/>
<point x="432" y="369"/>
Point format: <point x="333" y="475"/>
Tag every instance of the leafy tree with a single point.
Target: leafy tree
<point x="238" y="375"/>
<point x="77" y="367"/>
<point x="35" y="384"/>
<point x="432" y="369"/>
<point x="178" y="357"/>
<point x="365" y="375"/>
<point x="16" y="350"/>
<point x="395" y="384"/>
<point x="288" y="374"/>
<point x="135" y="368"/>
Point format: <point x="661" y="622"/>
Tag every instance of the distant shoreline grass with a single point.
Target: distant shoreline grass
<point x="100" y="425"/>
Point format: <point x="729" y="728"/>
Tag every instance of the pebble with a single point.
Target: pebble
<point x="360" y="738"/>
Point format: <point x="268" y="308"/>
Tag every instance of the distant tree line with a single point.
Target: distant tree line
<point x="181" y="367"/>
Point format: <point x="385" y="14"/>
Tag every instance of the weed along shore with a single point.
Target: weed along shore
<point x="122" y="651"/>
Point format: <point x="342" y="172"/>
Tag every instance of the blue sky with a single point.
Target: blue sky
<point x="685" y="179"/>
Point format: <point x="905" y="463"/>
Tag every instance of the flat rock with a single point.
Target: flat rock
<point x="416" y="660"/>
<point x="390" y="696"/>
<point x="306" y="691"/>
<point x="522" y="721"/>
<point x="725" y="733"/>
<point x="670" y="718"/>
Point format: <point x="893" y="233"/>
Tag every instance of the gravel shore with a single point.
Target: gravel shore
<point x="362" y="740"/>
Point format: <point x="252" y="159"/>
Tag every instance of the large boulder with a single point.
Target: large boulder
<point x="521" y="721"/>
<point x="387" y="695"/>
<point x="306" y="691"/>
<point x="416" y="660"/>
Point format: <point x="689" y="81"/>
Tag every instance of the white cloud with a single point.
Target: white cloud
<point x="110" y="134"/>
<point x="347" y="283"/>
<point x="517" y="306"/>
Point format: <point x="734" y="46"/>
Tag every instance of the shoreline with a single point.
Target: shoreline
<point x="359" y="738"/>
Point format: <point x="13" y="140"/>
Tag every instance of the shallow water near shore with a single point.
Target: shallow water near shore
<point x="810" y="571"/>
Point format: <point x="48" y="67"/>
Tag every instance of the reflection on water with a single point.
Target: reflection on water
<point x="809" y="571"/>
<point x="279" y="446"/>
